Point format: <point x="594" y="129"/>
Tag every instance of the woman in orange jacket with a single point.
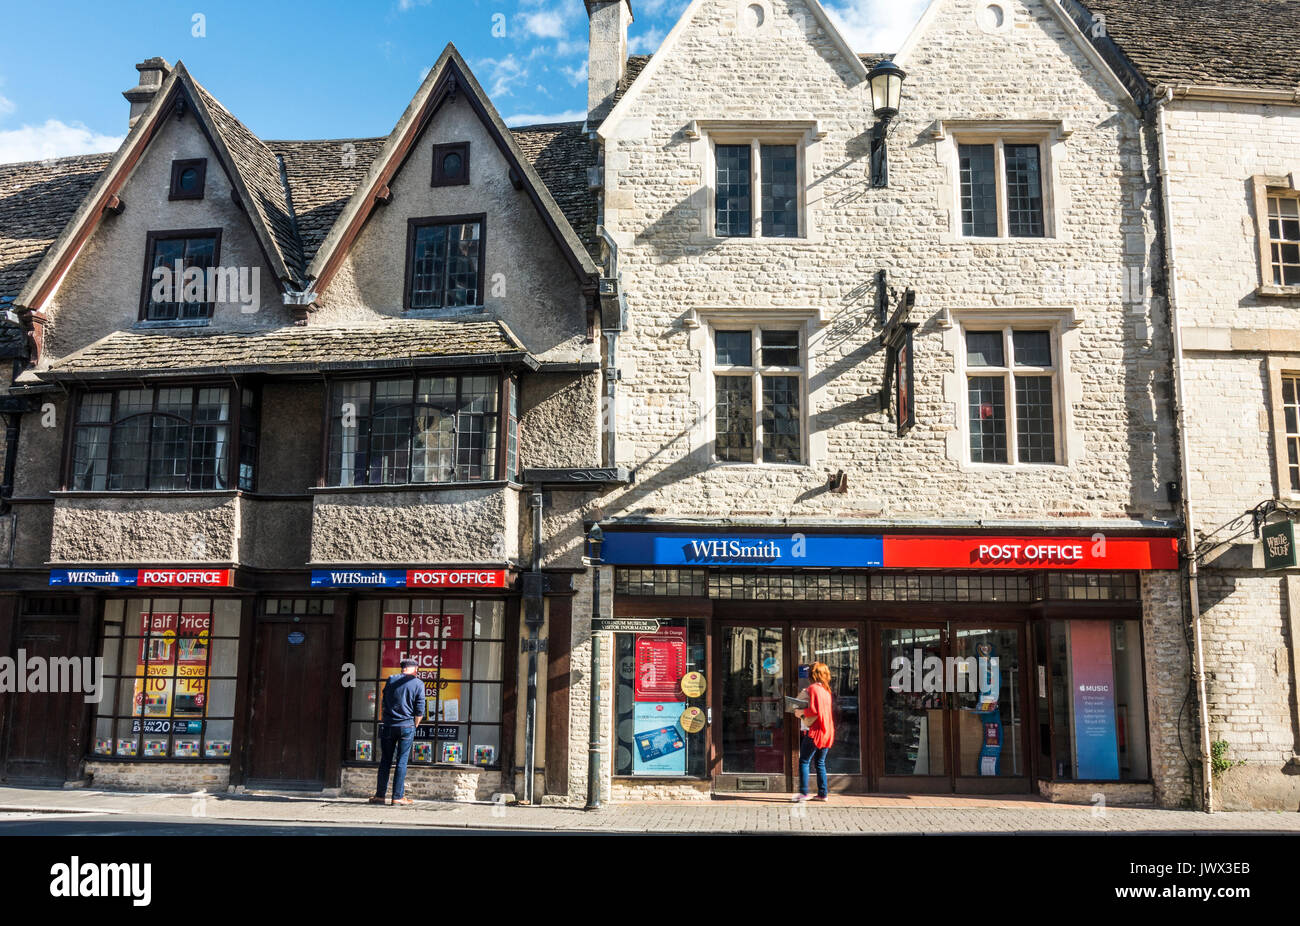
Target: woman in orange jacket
<point x="818" y="737"/>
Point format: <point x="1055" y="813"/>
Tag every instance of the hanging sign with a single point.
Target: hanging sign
<point x="1279" y="545"/>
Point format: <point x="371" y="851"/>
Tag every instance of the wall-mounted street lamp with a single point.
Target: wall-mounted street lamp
<point x="886" y="80"/>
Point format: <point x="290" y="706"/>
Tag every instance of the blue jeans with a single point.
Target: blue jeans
<point x="394" y="740"/>
<point x="807" y="753"/>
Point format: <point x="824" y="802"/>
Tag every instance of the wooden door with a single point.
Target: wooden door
<point x="291" y="724"/>
<point x="44" y="731"/>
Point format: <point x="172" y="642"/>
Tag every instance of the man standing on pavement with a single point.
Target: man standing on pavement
<point x="403" y="711"/>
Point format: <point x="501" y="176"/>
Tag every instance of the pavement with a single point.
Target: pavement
<point x="34" y="809"/>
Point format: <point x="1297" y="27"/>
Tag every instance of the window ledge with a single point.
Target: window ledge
<point x="1015" y="467"/>
<point x="146" y="493"/>
<point x="775" y="467"/>
<point x="459" y="311"/>
<point x="1273" y="289"/>
<point x="748" y="240"/>
<point x="1001" y="240"/>
<point x="174" y="323"/>
<point x="413" y="487"/>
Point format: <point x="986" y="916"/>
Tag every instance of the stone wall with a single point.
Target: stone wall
<point x="160" y="776"/>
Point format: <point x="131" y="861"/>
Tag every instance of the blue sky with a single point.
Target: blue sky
<point x="325" y="69"/>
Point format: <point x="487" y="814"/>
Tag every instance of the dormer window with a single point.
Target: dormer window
<point x="188" y="178"/>
<point x="451" y="164"/>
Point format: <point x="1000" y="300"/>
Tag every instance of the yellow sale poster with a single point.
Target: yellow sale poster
<point x="433" y="640"/>
<point x="172" y="664"/>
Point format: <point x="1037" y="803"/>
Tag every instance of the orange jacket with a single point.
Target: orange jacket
<point x="821" y="725"/>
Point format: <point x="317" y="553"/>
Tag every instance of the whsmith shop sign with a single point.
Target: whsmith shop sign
<point x="408" y="578"/>
<point x="142" y="578"/>
<point x="858" y="551"/>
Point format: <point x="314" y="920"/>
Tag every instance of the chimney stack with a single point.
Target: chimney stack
<point x="153" y="71"/>
<point x="606" y="54"/>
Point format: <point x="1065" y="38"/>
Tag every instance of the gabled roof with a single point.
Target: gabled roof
<point x="252" y="167"/>
<point x="1228" y="43"/>
<point x="37" y="198"/>
<point x="397" y="343"/>
<point x="638" y="65"/>
<point x="449" y="76"/>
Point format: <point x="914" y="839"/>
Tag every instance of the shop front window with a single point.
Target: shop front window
<point x="838" y="648"/>
<point x="1098" y="701"/>
<point x="460" y="645"/>
<point x="170" y="667"/>
<point x="660" y="705"/>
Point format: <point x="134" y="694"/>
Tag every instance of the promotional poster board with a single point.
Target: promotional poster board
<point x="172" y="663"/>
<point x="433" y="641"/>
<point x="1096" y="751"/>
<point x="660" y="744"/>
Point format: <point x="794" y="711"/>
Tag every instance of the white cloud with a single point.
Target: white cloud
<point x="572" y="115"/>
<point x="876" y="25"/>
<point x="545" y="24"/>
<point x="646" y="42"/>
<point x="501" y="74"/>
<point x="405" y="5"/>
<point x="54" y="139"/>
<point x="6" y="106"/>
<point x="577" y="74"/>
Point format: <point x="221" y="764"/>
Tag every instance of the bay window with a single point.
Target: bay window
<point x="438" y="428"/>
<point x="168" y="438"/>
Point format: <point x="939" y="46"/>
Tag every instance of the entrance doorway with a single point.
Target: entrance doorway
<point x="950" y="708"/>
<point x="292" y="724"/>
<point x="43" y="730"/>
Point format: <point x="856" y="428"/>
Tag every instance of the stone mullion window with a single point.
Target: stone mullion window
<point x="757" y="188"/>
<point x="1016" y="169"/>
<point x="1291" y="413"/>
<point x="759" y="395"/>
<point x="1011" y="377"/>
<point x="1284" y="239"/>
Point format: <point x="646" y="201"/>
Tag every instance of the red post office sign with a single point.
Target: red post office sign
<point x="455" y="578"/>
<point x="183" y="578"/>
<point x="1094" y="552"/>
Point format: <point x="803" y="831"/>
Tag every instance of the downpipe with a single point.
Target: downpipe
<point x="1193" y="570"/>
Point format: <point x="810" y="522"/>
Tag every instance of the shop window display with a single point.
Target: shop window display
<point x="460" y="645"/>
<point x="660" y="702"/>
<point x="170" y="667"/>
<point x="1098" y="701"/>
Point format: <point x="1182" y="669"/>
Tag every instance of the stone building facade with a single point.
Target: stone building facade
<point x="1217" y="85"/>
<point x="781" y="512"/>
<point x="252" y="503"/>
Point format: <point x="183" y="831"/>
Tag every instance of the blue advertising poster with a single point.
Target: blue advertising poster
<point x="991" y="745"/>
<point x="1096" y="749"/>
<point x="659" y="745"/>
<point x="633" y="548"/>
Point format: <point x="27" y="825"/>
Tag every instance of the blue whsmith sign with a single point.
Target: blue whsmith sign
<point x="633" y="548"/>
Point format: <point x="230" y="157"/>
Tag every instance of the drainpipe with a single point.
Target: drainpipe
<point x="611" y="330"/>
<point x="534" y="615"/>
<point x="1198" y="656"/>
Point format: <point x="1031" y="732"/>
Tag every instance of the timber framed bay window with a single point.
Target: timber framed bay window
<point x="1012" y="395"/>
<point x="759" y="375"/>
<point x="165" y="438"/>
<point x="460" y="646"/>
<point x="170" y="667"/>
<point x="444" y="262"/>
<point x="430" y="429"/>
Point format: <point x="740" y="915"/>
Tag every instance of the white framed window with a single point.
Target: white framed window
<point x="759" y="390"/>
<point x="1291" y="426"/>
<point x="1013" y="395"/>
